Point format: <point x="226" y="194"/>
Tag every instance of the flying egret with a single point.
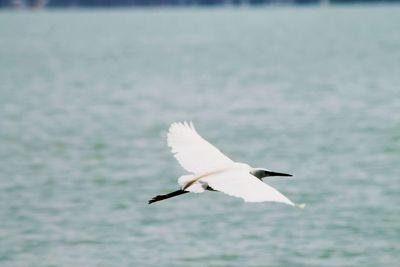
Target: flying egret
<point x="211" y="170"/>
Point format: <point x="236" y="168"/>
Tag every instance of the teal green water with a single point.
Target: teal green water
<point x="86" y="98"/>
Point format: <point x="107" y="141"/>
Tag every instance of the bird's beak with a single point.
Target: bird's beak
<point x="278" y="174"/>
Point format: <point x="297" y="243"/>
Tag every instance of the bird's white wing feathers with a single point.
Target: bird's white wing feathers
<point x="198" y="156"/>
<point x="193" y="152"/>
<point x="240" y="183"/>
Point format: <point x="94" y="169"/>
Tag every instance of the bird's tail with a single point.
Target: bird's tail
<point x="166" y="196"/>
<point x="185" y="179"/>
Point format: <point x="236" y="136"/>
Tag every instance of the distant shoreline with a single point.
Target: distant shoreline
<point x="39" y="4"/>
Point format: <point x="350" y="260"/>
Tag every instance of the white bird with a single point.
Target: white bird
<point x="211" y="170"/>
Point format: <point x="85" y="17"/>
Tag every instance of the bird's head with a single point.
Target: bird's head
<point x="261" y="173"/>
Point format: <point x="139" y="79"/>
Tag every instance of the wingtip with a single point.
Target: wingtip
<point x="192" y="125"/>
<point x="181" y="124"/>
<point x="300" y="206"/>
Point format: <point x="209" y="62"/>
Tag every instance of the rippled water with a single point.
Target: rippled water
<point x="86" y="98"/>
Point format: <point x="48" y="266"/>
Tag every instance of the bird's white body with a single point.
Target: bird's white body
<point x="210" y="168"/>
<point x="196" y="183"/>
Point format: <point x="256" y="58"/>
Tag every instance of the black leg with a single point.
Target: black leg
<point x="169" y="195"/>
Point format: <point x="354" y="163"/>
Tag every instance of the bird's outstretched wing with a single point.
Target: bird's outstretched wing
<point x="193" y="152"/>
<point x="240" y="183"/>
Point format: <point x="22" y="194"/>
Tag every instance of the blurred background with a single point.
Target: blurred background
<point x="127" y="3"/>
<point x="87" y="95"/>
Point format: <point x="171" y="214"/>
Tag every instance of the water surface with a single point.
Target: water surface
<point x="86" y="98"/>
